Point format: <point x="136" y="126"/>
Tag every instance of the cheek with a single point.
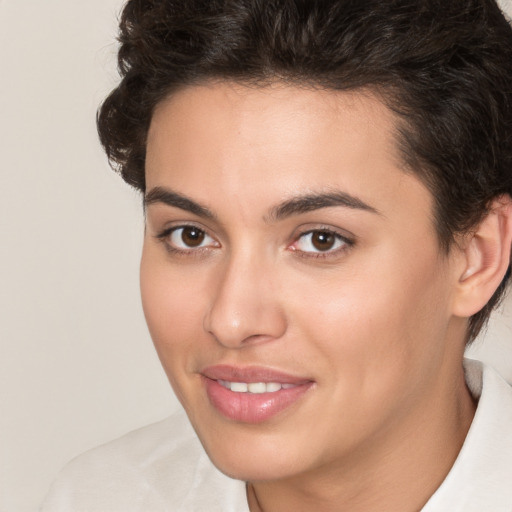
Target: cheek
<point x="172" y="307"/>
<point x="386" y="314"/>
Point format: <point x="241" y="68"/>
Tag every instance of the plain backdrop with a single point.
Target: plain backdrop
<point x="77" y="367"/>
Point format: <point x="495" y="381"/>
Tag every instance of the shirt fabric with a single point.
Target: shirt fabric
<point x="164" y="468"/>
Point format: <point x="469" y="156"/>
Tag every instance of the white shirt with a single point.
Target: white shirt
<point x="163" y="467"/>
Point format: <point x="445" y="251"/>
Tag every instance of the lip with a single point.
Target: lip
<point x="251" y="374"/>
<point x="249" y="407"/>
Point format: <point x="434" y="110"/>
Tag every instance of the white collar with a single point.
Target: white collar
<point x="481" y="478"/>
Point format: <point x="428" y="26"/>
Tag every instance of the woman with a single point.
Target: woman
<point x="327" y="192"/>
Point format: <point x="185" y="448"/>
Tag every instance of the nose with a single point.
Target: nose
<point x="245" y="308"/>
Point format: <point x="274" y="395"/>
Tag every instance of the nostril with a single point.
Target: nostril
<point x="245" y="306"/>
<point x="254" y="323"/>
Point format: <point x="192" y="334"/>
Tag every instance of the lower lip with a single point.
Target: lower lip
<point x="252" y="407"/>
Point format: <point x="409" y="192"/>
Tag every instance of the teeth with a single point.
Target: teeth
<point x="254" y="387"/>
<point x="239" y="387"/>
<point x="257" y="387"/>
<point x="273" y="386"/>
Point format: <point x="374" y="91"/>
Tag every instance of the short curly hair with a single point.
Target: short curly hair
<point x="443" y="66"/>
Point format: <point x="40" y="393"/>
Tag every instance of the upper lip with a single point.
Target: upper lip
<point x="251" y="374"/>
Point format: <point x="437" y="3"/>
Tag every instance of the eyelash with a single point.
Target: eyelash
<point x="347" y="242"/>
<point x="165" y="235"/>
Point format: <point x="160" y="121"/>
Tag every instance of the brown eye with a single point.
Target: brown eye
<point x="320" y="241"/>
<point x="192" y="236"/>
<point x="323" y="240"/>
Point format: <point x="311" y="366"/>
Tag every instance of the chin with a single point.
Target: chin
<point x="253" y="469"/>
<point x="256" y="458"/>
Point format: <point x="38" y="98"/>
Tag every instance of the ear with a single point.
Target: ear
<point x="485" y="259"/>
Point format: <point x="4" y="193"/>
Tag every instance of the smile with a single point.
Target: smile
<point x="252" y="394"/>
<point x="254" y="387"/>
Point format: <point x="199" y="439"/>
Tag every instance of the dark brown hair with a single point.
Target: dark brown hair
<point x="443" y="66"/>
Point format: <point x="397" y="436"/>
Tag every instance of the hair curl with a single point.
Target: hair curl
<point x="444" y="67"/>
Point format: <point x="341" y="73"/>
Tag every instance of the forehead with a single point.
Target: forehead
<point x="271" y="142"/>
<point x="277" y="115"/>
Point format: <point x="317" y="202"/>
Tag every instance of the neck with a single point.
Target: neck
<point x="397" y="471"/>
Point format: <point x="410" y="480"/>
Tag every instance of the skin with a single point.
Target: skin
<point x="371" y="322"/>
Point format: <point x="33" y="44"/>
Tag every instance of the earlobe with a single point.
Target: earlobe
<point x="486" y="256"/>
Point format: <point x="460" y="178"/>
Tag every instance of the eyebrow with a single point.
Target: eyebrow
<point x="170" y="198"/>
<point x="294" y="206"/>
<point x="311" y="202"/>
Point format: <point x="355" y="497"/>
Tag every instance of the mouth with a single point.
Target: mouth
<point x="254" y="387"/>
<point x="252" y="394"/>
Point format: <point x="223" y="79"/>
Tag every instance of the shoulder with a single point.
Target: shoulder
<point x="161" y="467"/>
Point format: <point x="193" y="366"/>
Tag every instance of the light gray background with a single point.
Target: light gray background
<point x="76" y="364"/>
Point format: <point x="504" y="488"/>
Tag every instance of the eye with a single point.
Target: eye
<point x="320" y="241"/>
<point x="187" y="238"/>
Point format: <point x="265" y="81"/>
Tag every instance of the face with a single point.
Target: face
<point x="291" y="277"/>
